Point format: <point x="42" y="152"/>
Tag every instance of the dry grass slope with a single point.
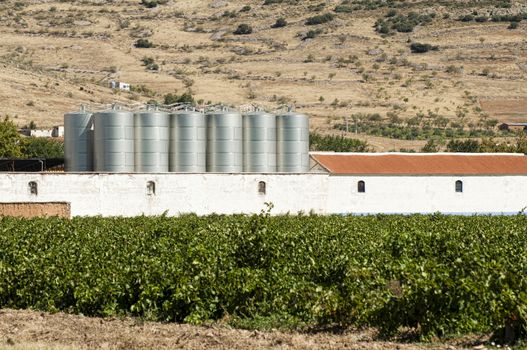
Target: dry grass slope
<point x="55" y="55"/>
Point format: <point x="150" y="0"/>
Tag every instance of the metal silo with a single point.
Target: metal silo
<point x="188" y="142"/>
<point x="78" y="141"/>
<point x="224" y="142"/>
<point x="259" y="142"/>
<point x="292" y="145"/>
<point x="114" y="141"/>
<point x="151" y="141"/>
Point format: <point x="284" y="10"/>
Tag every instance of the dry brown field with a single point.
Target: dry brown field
<point x="56" y="55"/>
<point x="32" y="330"/>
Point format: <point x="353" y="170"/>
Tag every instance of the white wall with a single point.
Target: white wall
<point x="428" y="194"/>
<point x="126" y="194"/>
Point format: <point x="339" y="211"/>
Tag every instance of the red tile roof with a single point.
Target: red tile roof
<point x="422" y="164"/>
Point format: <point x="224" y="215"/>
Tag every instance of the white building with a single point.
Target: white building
<point x="457" y="183"/>
<point x="346" y="183"/>
<point x="57" y="131"/>
<point x="119" y="85"/>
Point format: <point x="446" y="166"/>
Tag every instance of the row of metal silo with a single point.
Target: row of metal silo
<point x="153" y="141"/>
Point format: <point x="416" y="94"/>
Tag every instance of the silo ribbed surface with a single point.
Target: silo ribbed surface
<point x="188" y="142"/>
<point x="292" y="136"/>
<point x="151" y="141"/>
<point x="259" y="142"/>
<point x="224" y="142"/>
<point x="114" y="141"/>
<point x="78" y="141"/>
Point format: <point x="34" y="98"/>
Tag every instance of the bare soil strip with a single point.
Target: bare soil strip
<point x="29" y="330"/>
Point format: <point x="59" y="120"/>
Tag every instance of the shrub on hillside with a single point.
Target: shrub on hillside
<point x="153" y="3"/>
<point x="186" y="97"/>
<point x="320" y="19"/>
<point x="343" y="9"/>
<point x="246" y="8"/>
<point x="243" y="29"/>
<point x="270" y="2"/>
<point x="466" y="18"/>
<point x="280" y="22"/>
<point x="422" y="48"/>
<point x="312" y="34"/>
<point x="150" y="63"/>
<point x="402" y="23"/>
<point x="143" y="43"/>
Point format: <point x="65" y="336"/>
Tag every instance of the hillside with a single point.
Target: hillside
<point x="55" y="55"/>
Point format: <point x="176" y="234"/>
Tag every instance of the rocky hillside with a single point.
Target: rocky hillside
<point x="459" y="65"/>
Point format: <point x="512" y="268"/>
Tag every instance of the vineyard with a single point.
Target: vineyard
<point x="437" y="275"/>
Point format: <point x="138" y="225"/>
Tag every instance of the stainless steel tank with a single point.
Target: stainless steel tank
<point x="78" y="141"/>
<point x="114" y="141"/>
<point x="151" y="141"/>
<point x="224" y="142"/>
<point x="188" y="142"/>
<point x="292" y="142"/>
<point x="259" y="142"/>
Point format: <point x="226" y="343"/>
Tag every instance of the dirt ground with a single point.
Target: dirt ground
<point x="29" y="330"/>
<point x="512" y="111"/>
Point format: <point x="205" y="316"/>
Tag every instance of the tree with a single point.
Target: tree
<point x="10" y="140"/>
<point x="430" y="147"/>
<point x="186" y="97"/>
<point x="467" y="146"/>
<point x="40" y="147"/>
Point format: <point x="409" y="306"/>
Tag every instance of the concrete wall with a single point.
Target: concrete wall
<point x="127" y="194"/>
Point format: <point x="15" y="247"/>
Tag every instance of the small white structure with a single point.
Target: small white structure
<point x="119" y="85"/>
<point x="41" y="132"/>
<point x="352" y="183"/>
<point x="58" y="131"/>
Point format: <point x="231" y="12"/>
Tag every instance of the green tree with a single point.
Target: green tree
<point x="186" y="97"/>
<point x="10" y="140"/>
<point x="467" y="146"/>
<point x="334" y="143"/>
<point x="430" y="147"/>
<point x="39" y="147"/>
